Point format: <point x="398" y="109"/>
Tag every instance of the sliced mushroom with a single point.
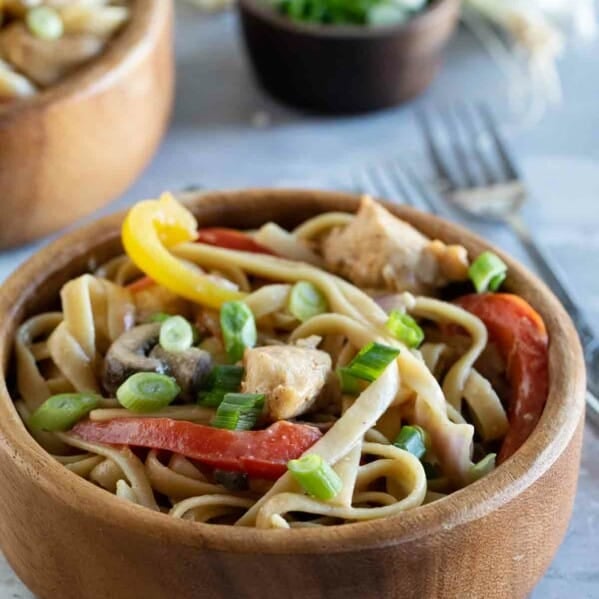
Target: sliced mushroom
<point x="189" y="367"/>
<point x="129" y="354"/>
<point x="137" y="350"/>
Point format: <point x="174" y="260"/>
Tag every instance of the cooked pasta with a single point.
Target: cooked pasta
<point x="263" y="379"/>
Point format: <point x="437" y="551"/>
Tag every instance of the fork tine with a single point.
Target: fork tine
<point x="469" y="121"/>
<point x="506" y="161"/>
<point x="423" y="191"/>
<point x="431" y="144"/>
<point x="395" y="175"/>
<point x="383" y="187"/>
<point x="455" y="139"/>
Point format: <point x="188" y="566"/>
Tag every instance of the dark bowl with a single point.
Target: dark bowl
<point x="345" y="69"/>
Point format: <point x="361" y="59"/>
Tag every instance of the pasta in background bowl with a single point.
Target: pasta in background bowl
<point x="317" y="334"/>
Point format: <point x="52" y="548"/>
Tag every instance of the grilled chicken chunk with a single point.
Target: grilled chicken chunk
<point x="379" y="251"/>
<point x="291" y="377"/>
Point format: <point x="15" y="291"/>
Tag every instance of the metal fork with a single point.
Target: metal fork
<point x="483" y="181"/>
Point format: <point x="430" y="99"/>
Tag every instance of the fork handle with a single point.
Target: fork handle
<point x="588" y="337"/>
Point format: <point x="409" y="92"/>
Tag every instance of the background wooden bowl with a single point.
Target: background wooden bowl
<point x="345" y="69"/>
<point x="79" y="144"/>
<point x="67" y="538"/>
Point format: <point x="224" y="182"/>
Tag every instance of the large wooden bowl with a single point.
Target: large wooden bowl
<point x="82" y="142"/>
<point x="67" y="538"/>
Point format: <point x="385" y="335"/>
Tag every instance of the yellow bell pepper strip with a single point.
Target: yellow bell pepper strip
<point x="150" y="228"/>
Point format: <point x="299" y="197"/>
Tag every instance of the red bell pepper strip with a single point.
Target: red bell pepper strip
<point x="232" y="240"/>
<point x="519" y="333"/>
<point x="140" y="284"/>
<point x="260" y="454"/>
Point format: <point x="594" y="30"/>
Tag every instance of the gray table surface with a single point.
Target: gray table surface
<point x="219" y="138"/>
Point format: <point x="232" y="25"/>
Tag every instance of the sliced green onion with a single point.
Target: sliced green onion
<point x="487" y="272"/>
<point x="315" y="476"/>
<point x="412" y="439"/>
<point x="176" y="334"/>
<point x="350" y="385"/>
<point x="159" y="317"/>
<point x="306" y="301"/>
<point x="45" y="23"/>
<point x="212" y="398"/>
<point x="238" y="327"/>
<point x="61" y="412"/>
<point x="225" y="376"/>
<point x="404" y="328"/>
<point x="482" y="468"/>
<point x="371" y="361"/>
<point x="239" y="411"/>
<point x="147" y="392"/>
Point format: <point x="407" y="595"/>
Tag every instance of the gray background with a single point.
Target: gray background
<point x="214" y="140"/>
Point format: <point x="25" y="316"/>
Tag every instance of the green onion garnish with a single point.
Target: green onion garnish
<point x="482" y="468"/>
<point x="225" y="376"/>
<point x="412" y="439"/>
<point x="350" y="385"/>
<point x="61" y="412"/>
<point x="238" y="327"/>
<point x="239" y="411"/>
<point x="45" y="23"/>
<point x="404" y="328"/>
<point x="223" y="379"/>
<point x="315" y="476"/>
<point x="176" y="334"/>
<point x="371" y="361"/>
<point x="487" y="272"/>
<point x="306" y="301"/>
<point x="159" y="317"/>
<point x="147" y="392"/>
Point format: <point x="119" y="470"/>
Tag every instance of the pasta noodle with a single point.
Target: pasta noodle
<point x="301" y="328"/>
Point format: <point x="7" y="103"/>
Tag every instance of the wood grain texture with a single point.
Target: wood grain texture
<point x="66" y="538"/>
<point x="79" y="144"/>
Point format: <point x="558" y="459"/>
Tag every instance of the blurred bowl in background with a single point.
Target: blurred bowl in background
<point x="345" y="69"/>
<point x="79" y="144"/>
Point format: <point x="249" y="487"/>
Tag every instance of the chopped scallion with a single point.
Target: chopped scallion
<point x="316" y="477"/>
<point x="147" y="392"/>
<point x="306" y="301"/>
<point x="482" y="468"/>
<point x="159" y="317"/>
<point x="238" y="328"/>
<point x="176" y="334"/>
<point x="350" y="384"/>
<point x="412" y="439"/>
<point x="239" y="411"/>
<point x="44" y="23"/>
<point x="371" y="361"/>
<point x="61" y="412"/>
<point x="405" y="328"/>
<point x="487" y="272"/>
<point x="225" y="376"/>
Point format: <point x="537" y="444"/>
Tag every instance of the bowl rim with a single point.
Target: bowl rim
<point x="558" y="424"/>
<point x="121" y="54"/>
<point x="422" y="20"/>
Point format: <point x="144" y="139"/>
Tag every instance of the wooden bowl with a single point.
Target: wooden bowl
<point x="345" y="69"/>
<point x="67" y="538"/>
<point x="82" y="142"/>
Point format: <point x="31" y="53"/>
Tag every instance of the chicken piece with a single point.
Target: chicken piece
<point x="291" y="377"/>
<point x="379" y="251"/>
<point x="46" y="61"/>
